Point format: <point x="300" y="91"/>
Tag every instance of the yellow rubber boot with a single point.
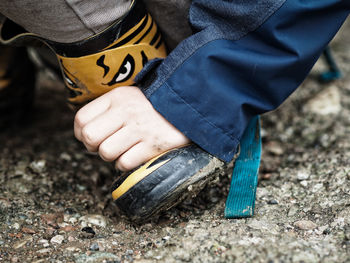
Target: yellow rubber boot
<point x="107" y="60"/>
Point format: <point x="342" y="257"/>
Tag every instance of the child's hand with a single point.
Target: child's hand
<point x="122" y="125"/>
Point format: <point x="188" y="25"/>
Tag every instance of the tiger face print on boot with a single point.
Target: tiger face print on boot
<point x="107" y="60"/>
<point x="117" y="65"/>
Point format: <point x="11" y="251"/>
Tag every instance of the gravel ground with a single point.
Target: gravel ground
<point x="55" y="204"/>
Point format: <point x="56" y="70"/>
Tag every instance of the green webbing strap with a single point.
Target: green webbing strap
<point x="241" y="198"/>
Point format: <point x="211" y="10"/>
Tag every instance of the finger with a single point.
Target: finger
<point x="91" y="149"/>
<point x="89" y="112"/>
<point x="115" y="145"/>
<point x="100" y="128"/>
<point x="135" y="156"/>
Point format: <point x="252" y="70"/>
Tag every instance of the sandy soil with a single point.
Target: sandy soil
<point x="55" y="204"/>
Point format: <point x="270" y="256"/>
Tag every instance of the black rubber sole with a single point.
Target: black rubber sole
<point x="184" y="175"/>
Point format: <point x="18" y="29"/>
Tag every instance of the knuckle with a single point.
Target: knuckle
<point x="88" y="137"/>
<point x="78" y="119"/>
<point x="89" y="148"/>
<point x="106" y="153"/>
<point x="124" y="164"/>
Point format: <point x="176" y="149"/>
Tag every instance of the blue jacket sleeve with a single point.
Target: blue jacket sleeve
<point x="244" y="58"/>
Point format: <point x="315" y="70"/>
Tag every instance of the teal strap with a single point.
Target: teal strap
<point x="241" y="198"/>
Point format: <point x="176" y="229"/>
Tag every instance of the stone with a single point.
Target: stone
<point x="317" y="188"/>
<point x="58" y="239"/>
<point x="97" y="257"/>
<point x="4" y="203"/>
<point x="166" y="238"/>
<point x="73" y="249"/>
<point x="303" y="175"/>
<point x="304" y="183"/>
<point x="20" y="168"/>
<point x="326" y="102"/>
<point x="16" y="226"/>
<point x="68" y="228"/>
<point x="69" y="211"/>
<point x="182" y="255"/>
<point x="44" y="251"/>
<point x="38" y="166"/>
<point x="272" y="202"/>
<point x="44" y="242"/>
<point x="19" y="244"/>
<point x="87" y="232"/>
<point x="97" y="220"/>
<point x="305" y="225"/>
<point x="94" y="247"/>
<point x="274" y="148"/>
<point x="65" y="156"/>
<point x="52" y="219"/>
<point x="129" y="252"/>
<point x="16" y="235"/>
<point x="50" y="231"/>
<point x="28" y="230"/>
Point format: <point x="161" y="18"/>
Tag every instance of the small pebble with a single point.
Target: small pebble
<point x="65" y="156"/>
<point x="23" y="217"/>
<point x="272" y="202"/>
<point x="166" y="238"/>
<point x="327" y="231"/>
<point x="72" y="220"/>
<point x="20" y="243"/>
<point x="304" y="183"/>
<point x="28" y="230"/>
<point x="52" y="219"/>
<point x="274" y="148"/>
<point x="97" y="220"/>
<point x="81" y="187"/>
<point x="326" y="102"/>
<point x="88" y="232"/>
<point x="58" y="239"/>
<point x="97" y="257"/>
<point x="38" y="166"/>
<point x="72" y="249"/>
<point x="50" y="231"/>
<point x="305" y="225"/>
<point x="347" y="232"/>
<point x="69" y="211"/>
<point x="302" y="175"/>
<point x="44" y="251"/>
<point x="94" y="247"/>
<point x="68" y="228"/>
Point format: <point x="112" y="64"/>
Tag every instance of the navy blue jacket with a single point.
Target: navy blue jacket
<point x="245" y="57"/>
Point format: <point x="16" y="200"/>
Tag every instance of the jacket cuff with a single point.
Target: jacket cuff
<point x="182" y="115"/>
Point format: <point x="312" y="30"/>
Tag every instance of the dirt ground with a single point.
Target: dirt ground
<point x="55" y="204"/>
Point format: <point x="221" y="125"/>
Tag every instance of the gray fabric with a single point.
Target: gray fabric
<point x="64" y="21"/>
<point x="68" y="21"/>
<point x="172" y="18"/>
